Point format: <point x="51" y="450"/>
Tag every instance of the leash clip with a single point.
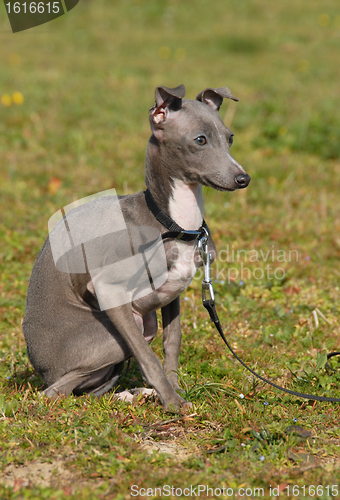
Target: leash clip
<point x="203" y="249"/>
<point x="207" y="287"/>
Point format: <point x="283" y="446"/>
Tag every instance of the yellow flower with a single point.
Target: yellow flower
<point x="164" y="52"/>
<point x="324" y="20"/>
<point x="17" y="98"/>
<point x="6" y="100"/>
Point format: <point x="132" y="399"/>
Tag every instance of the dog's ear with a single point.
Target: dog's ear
<point x="167" y="101"/>
<point x="214" y="97"/>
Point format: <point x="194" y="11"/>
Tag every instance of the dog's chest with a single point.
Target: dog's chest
<point x="179" y="276"/>
<point x="182" y="270"/>
<point x="186" y="208"/>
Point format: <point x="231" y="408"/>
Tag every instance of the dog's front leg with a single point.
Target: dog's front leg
<point x="123" y="319"/>
<point x="171" y="340"/>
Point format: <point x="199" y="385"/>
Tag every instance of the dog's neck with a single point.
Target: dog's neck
<point x="182" y="201"/>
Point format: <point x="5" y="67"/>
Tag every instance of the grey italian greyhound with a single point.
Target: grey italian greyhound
<point x="79" y="331"/>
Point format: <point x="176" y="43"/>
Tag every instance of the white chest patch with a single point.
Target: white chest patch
<point x="186" y="205"/>
<point x="186" y="208"/>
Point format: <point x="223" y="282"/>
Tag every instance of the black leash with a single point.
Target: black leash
<point x="330" y="355"/>
<point x="209" y="304"/>
<point x="177" y="232"/>
<point x="210" y="307"/>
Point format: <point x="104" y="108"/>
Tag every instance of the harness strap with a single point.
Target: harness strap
<point x="174" y="230"/>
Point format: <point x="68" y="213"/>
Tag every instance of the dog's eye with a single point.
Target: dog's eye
<point x="201" y="140"/>
<point x="231" y="139"/>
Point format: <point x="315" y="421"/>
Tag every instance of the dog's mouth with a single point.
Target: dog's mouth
<point x="209" y="183"/>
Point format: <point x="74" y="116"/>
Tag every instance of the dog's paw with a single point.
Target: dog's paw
<point x="124" y="396"/>
<point x="186" y="406"/>
<point x="131" y="395"/>
<point x="185" y="403"/>
<point x="178" y="406"/>
<point x="148" y="392"/>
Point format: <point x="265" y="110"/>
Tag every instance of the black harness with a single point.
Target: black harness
<point x="174" y="230"/>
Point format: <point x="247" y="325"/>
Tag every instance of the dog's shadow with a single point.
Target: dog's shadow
<point x="24" y="379"/>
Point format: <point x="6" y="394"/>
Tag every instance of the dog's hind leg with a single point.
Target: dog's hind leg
<point x="100" y="381"/>
<point x="96" y="383"/>
<point x="64" y="385"/>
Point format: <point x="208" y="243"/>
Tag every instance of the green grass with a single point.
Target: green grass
<point x="88" y="80"/>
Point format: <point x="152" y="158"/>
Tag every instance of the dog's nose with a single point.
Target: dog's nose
<point x="242" y="180"/>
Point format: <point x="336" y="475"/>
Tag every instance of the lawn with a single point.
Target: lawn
<point x="74" y="106"/>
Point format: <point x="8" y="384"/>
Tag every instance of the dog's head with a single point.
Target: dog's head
<point x="193" y="142"/>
